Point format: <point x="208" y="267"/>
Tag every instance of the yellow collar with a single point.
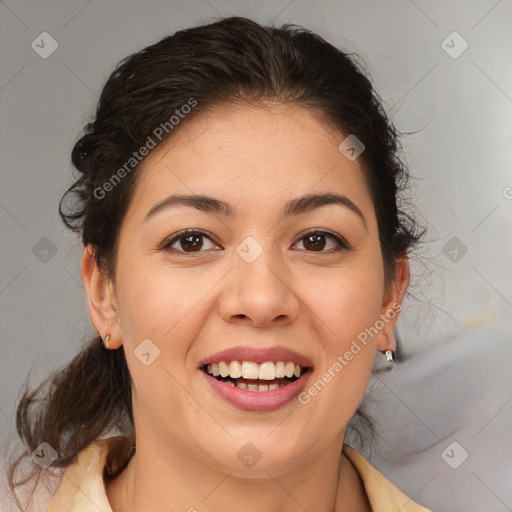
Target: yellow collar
<point x="82" y="488"/>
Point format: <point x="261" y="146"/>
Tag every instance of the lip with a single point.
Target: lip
<point x="258" y="355"/>
<point x="258" y="401"/>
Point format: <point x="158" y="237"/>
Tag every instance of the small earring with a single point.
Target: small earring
<point x="106" y="340"/>
<point x="390" y="356"/>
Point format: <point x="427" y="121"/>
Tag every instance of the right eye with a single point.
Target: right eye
<point x="189" y="241"/>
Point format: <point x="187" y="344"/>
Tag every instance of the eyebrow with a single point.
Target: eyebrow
<point x="297" y="206"/>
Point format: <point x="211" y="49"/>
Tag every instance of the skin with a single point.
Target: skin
<point x="194" y="304"/>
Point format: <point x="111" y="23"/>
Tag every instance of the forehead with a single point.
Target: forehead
<point x="249" y="156"/>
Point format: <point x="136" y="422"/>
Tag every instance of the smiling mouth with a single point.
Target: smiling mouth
<point x="252" y="376"/>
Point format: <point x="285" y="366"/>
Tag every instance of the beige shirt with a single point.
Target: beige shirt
<point x="82" y="488"/>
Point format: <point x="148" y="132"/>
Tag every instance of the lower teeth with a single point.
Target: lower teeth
<point x="254" y="387"/>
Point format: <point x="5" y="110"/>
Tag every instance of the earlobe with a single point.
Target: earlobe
<point x="100" y="297"/>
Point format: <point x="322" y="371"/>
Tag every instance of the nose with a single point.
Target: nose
<point x="258" y="294"/>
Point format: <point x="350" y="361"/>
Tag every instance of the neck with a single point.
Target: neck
<point x="151" y="482"/>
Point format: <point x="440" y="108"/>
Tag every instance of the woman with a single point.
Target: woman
<point x="244" y="260"/>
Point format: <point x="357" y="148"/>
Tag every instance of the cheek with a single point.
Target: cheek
<point x="346" y="306"/>
<point x="150" y="297"/>
<point x="163" y="304"/>
<point x="347" y="301"/>
<point x="168" y="309"/>
<point x="349" y="305"/>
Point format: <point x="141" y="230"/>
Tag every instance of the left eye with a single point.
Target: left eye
<point x="314" y="241"/>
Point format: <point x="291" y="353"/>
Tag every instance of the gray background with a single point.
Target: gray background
<point x="456" y="324"/>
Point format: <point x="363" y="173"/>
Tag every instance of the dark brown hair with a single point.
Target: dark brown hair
<point x="231" y="60"/>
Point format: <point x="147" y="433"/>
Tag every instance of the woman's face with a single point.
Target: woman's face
<point x="250" y="280"/>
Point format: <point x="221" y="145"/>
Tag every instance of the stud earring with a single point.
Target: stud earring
<point x="390" y="356"/>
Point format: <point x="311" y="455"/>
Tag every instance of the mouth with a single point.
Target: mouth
<point x="256" y="377"/>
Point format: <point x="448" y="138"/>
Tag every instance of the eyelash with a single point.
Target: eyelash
<point x="341" y="243"/>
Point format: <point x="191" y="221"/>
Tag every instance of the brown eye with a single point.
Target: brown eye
<point x="316" y="241"/>
<point x="191" y="242"/>
<point x="188" y="241"/>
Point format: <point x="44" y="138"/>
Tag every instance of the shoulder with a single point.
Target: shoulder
<point x="382" y="493"/>
<point x="83" y="483"/>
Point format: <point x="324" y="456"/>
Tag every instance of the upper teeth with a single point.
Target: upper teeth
<point x="250" y="370"/>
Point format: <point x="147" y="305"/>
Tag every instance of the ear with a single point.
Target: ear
<point x="392" y="304"/>
<point x="101" y="299"/>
